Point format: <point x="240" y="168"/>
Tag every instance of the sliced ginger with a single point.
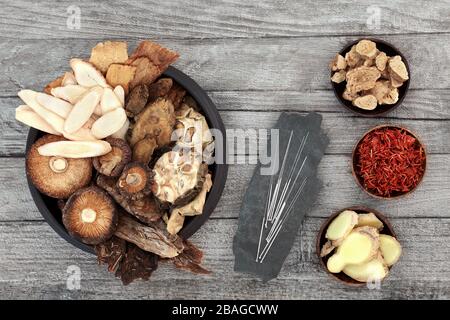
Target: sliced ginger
<point x="373" y="270"/>
<point x="390" y="248"/>
<point x="360" y="246"/>
<point x="370" y="220"/>
<point x="342" y="225"/>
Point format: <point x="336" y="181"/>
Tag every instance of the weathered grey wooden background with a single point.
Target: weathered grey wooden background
<point x="255" y="59"/>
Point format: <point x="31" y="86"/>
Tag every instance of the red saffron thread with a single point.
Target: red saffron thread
<point x="390" y="162"/>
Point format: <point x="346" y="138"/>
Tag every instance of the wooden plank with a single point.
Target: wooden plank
<point x="336" y="125"/>
<point x="35" y="260"/>
<point x="231" y="64"/>
<point x="339" y="191"/>
<point x="219" y="19"/>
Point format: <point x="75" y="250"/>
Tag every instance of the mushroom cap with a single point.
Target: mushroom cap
<point x="57" y="177"/>
<point x="112" y="163"/>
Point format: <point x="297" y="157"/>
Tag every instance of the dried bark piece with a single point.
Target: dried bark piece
<point x="54" y="84"/>
<point x="353" y="58"/>
<point x="106" y="53"/>
<point x="151" y="60"/>
<point x="145" y="209"/>
<point x="159" y="89"/>
<point x="339" y="76"/>
<point x="398" y="69"/>
<point x="381" y="61"/>
<point x="143" y="150"/>
<point x="367" y="49"/>
<point x="338" y="63"/>
<point x="156" y="121"/>
<point x="190" y="259"/>
<point x="111" y="252"/>
<point x="367" y="102"/>
<point x="151" y="238"/>
<point x="120" y="75"/>
<point x="362" y="78"/>
<point x="137" y="264"/>
<point x="176" y="95"/>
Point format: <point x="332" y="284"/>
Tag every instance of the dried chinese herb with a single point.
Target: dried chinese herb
<point x="389" y="161"/>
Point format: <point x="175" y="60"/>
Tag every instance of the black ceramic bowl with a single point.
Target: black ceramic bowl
<point x="380" y="110"/>
<point x="49" y="206"/>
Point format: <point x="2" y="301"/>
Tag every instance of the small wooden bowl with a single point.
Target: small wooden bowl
<point x="342" y="277"/>
<point x="339" y="88"/>
<point x="359" y="179"/>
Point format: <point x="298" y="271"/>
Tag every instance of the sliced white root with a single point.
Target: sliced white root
<point x="55" y="121"/>
<point x="122" y="133"/>
<point x="81" y="112"/>
<point x="109" y="123"/>
<point x="75" y="149"/>
<point x="71" y="93"/>
<point x="374" y="270"/>
<point x="120" y="93"/>
<point x="342" y="225"/>
<point x="370" y="220"/>
<point x="84" y="133"/>
<point x="109" y="101"/>
<point x="68" y="79"/>
<point x="360" y="246"/>
<point x="27" y="116"/>
<point x="390" y="248"/>
<point x="86" y="74"/>
<point x="61" y="107"/>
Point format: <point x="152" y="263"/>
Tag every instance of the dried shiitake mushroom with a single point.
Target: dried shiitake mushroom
<point x="159" y="89"/>
<point x="135" y="181"/>
<point x="178" y="177"/>
<point x="143" y="150"/>
<point x="112" y="163"/>
<point x="136" y="100"/>
<point x="156" y="121"/>
<point x="90" y="215"/>
<point x="57" y="177"/>
<point x="176" y="95"/>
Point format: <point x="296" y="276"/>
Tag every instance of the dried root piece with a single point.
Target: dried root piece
<point x="109" y="123"/>
<point x="145" y="209"/>
<point x="192" y="130"/>
<point x="112" y="163"/>
<point x="159" y="89"/>
<point x="369" y="220"/>
<point x="106" y="53"/>
<point x="109" y="101"/>
<point x="151" y="238"/>
<point x="381" y="61"/>
<point x="347" y="95"/>
<point x="143" y="150"/>
<point x="156" y="121"/>
<point x="366" y="49"/>
<point x="122" y="132"/>
<point x="362" y="78"/>
<point x="86" y="74"/>
<point x="353" y="58"/>
<point x="360" y="246"/>
<point x="111" y="252"/>
<point x="150" y="60"/>
<point x="338" y="63"/>
<point x="327" y="248"/>
<point x="367" y="102"/>
<point x="137" y="100"/>
<point x="84" y="133"/>
<point x="135" y="181"/>
<point x="60" y="107"/>
<point x="27" y="116"/>
<point x="120" y="75"/>
<point x="391" y="97"/>
<point x="176" y="95"/>
<point x="374" y="270"/>
<point x="390" y="248"/>
<point x="398" y="69"/>
<point x="70" y="93"/>
<point x="75" y="149"/>
<point x="81" y="112"/>
<point x="68" y="79"/>
<point x="339" y="76"/>
<point x="380" y="90"/>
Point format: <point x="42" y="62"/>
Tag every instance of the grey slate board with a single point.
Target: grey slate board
<point x="301" y="147"/>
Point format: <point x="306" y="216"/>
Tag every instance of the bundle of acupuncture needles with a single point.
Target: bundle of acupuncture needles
<point x="275" y="204"/>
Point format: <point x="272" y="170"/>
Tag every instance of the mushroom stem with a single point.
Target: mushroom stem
<point x="58" y="164"/>
<point x="88" y="215"/>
